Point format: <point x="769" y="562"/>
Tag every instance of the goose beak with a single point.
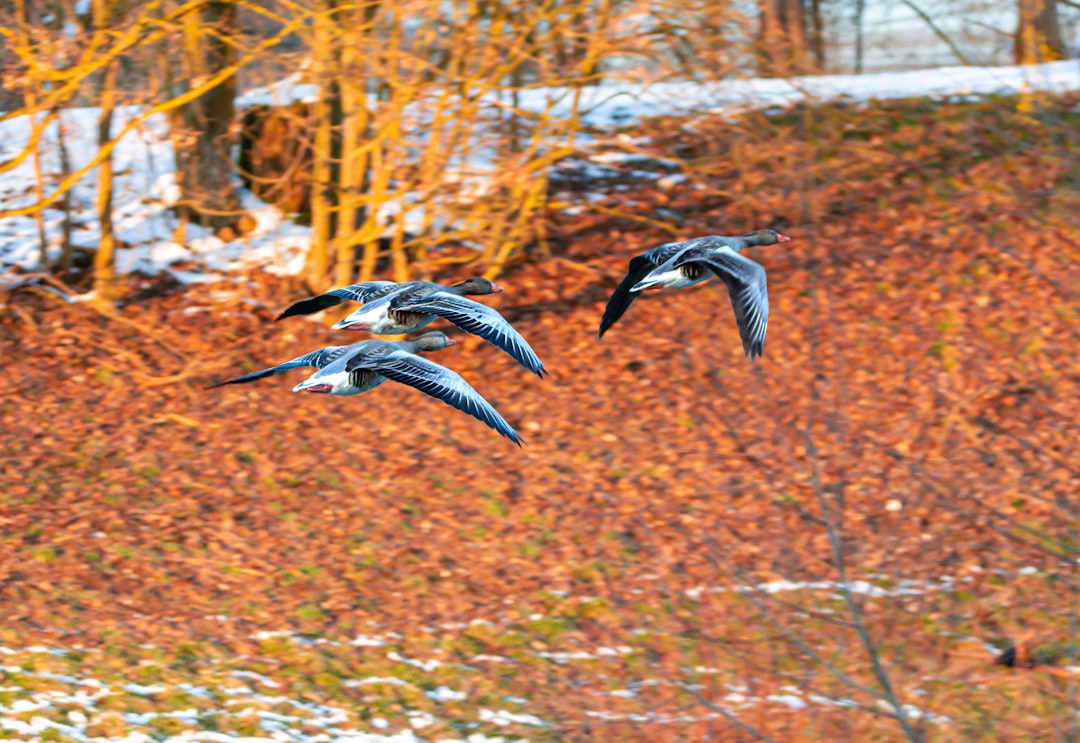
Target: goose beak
<point x="495" y="288"/>
<point x="782" y="238"/>
<point x="451" y="342"/>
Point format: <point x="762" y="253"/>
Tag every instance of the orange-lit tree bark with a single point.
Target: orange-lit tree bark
<point x="817" y="34"/>
<point x="23" y="21"/>
<point x="104" y="267"/>
<point x="1038" y="35"/>
<point x="202" y="129"/>
<point x="326" y="146"/>
<point x="784" y="47"/>
<point x="355" y="168"/>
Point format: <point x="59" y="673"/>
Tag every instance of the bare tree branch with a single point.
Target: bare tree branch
<point x="937" y="31"/>
<point x="726" y="715"/>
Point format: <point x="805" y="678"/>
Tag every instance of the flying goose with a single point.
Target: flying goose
<point x="323" y="357"/>
<point x="363" y="366"/>
<point x="369" y="291"/>
<point x="416" y="304"/>
<point x="680" y="264"/>
<point x="370" y="363"/>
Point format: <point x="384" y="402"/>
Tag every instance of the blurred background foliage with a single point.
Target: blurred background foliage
<point x="370" y="118"/>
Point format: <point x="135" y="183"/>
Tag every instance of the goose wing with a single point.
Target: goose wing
<point x="365" y="292"/>
<point x="623" y="297"/>
<point x="481" y="320"/>
<point x="662" y="253"/>
<point x="746" y="283"/>
<point x="669" y="257"/>
<point x="438" y="382"/>
<point x="318" y="359"/>
<point x="640" y="267"/>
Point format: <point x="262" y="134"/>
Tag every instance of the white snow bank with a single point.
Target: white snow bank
<point x="609" y="105"/>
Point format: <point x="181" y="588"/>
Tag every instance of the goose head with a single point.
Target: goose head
<point x="477" y="286"/>
<point x="435" y="341"/>
<point x="765" y="237"/>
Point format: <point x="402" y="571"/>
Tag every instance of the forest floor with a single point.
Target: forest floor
<point x="830" y="544"/>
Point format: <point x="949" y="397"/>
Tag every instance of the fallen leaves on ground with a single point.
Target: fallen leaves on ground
<point x="918" y="388"/>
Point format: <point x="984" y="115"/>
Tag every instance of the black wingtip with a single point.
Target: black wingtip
<point x="616" y="308"/>
<point x="310" y="306"/>
<point x="620" y="302"/>
<point x="291" y="311"/>
<point x="754" y="350"/>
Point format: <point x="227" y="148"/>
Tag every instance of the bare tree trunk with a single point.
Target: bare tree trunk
<point x="356" y="128"/>
<point x="24" y="22"/>
<point x="326" y="150"/>
<point x="105" y="287"/>
<point x="817" y="35"/>
<point x="1038" y="36"/>
<point x="66" y="248"/>
<point x="352" y="178"/>
<point x="783" y="48"/>
<point x="860" y="9"/>
<point x="202" y="129"/>
<point x="377" y="184"/>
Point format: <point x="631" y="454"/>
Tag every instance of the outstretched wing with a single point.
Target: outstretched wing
<point x="318" y="359"/>
<point x="746" y="283"/>
<point x="442" y="384"/>
<point x="640" y="267"/>
<point x="481" y="320"/>
<point x="364" y="292"/>
<point x="622" y="297"/>
<point x="662" y="253"/>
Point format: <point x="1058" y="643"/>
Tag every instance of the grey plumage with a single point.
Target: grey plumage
<point x="373" y="291"/>
<point x="324" y="357"/>
<point x="678" y="265"/>
<point x="482" y="321"/>
<point x="416" y="304"/>
<point x="440" y="383"/>
<point x="373" y="362"/>
<point x="746" y="284"/>
<point x="367" y="291"/>
<point x="359" y="367"/>
<point x="318" y="359"/>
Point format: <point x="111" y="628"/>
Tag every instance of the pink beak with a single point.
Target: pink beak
<point x="496" y="288"/>
<point x="782" y="238"/>
<point x="318" y="388"/>
<point x="451" y="342"/>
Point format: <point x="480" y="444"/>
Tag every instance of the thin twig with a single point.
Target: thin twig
<point x="832" y="530"/>
<point x="726" y="715"/>
<point x="849" y="598"/>
<point x="804" y="646"/>
<point x="937" y="31"/>
<point x="27" y="280"/>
